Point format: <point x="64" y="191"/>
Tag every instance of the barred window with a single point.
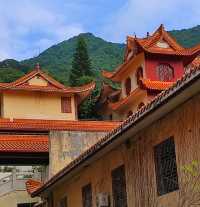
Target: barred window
<point x="63" y="202"/>
<point x="119" y="187"/>
<point x="165" y="72"/>
<point x="87" y="195"/>
<point x="166" y="168"/>
<point x="66" y="105"/>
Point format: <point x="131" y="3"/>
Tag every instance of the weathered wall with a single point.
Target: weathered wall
<point x="16" y="197"/>
<point x="35" y="105"/>
<point x="183" y="123"/>
<point x="65" y="146"/>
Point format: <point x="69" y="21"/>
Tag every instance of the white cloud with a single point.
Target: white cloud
<point x="28" y="26"/>
<point x="140" y="16"/>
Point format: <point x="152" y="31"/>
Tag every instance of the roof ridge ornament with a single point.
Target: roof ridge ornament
<point x="37" y="67"/>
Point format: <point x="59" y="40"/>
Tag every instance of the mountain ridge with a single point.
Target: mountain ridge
<point x="57" y="59"/>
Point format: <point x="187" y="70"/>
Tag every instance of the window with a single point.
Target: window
<point x="165" y="72"/>
<point x="66" y="105"/>
<point x="63" y="202"/>
<point x="139" y="75"/>
<point x="119" y="187"/>
<point x="111" y="117"/>
<point x="87" y="195"/>
<point x="166" y="169"/>
<point x="128" y="86"/>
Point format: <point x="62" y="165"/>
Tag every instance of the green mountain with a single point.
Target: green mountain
<point x="57" y="59"/>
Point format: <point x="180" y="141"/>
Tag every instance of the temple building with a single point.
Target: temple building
<point x="38" y="96"/>
<point x="39" y="126"/>
<point x="151" y="65"/>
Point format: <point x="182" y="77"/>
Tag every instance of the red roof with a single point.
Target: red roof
<point x="53" y="86"/>
<point x="46" y="125"/>
<point x="32" y="185"/>
<point x="149" y="45"/>
<point x="156" y="85"/>
<point x="23" y="143"/>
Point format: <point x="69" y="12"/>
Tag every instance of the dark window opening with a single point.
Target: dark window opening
<point x="139" y="75"/>
<point x="63" y="202"/>
<point x="111" y="117"/>
<point x="166" y="168"/>
<point x="119" y="187"/>
<point x="165" y="72"/>
<point x="87" y="195"/>
<point x="128" y="86"/>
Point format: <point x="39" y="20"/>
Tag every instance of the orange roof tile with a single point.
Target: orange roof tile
<point x="117" y="105"/>
<point x="46" y="125"/>
<point x="149" y="45"/>
<point x="32" y="185"/>
<point x="156" y="85"/>
<point x="53" y="86"/>
<point x="163" y="98"/>
<point x="147" y="84"/>
<point x="23" y="143"/>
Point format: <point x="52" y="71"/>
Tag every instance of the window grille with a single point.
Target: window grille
<point x="119" y="187"/>
<point x="63" y="202"/>
<point x="66" y="105"/>
<point x="165" y="72"/>
<point x="166" y="168"/>
<point x="87" y="195"/>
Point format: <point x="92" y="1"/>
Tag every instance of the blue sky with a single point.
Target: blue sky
<point x="30" y="26"/>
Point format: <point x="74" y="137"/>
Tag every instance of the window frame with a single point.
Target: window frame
<point x="66" y="105"/>
<point x="85" y="188"/>
<point x="164" y="73"/>
<point x="115" y="186"/>
<point x="162" y="159"/>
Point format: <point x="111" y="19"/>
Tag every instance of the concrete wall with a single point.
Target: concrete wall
<point x="138" y="157"/>
<point x="16" y="197"/>
<point x="35" y="105"/>
<point x="65" y="146"/>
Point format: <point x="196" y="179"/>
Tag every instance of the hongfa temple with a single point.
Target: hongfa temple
<point x="138" y="155"/>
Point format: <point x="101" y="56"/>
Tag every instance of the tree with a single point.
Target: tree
<point x="81" y="65"/>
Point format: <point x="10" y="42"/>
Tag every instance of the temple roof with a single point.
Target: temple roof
<point x="23" y="143"/>
<point x="46" y="125"/>
<point x="136" y="121"/>
<point x="50" y="85"/>
<point x="160" y="42"/>
<point x="32" y="185"/>
<point x="156" y="85"/>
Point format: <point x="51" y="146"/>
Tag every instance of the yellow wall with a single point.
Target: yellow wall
<point x="16" y="197"/>
<point x="138" y="158"/>
<point x="35" y="105"/>
<point x="131" y="72"/>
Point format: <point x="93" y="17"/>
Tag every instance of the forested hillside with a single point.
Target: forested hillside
<point x="57" y="59"/>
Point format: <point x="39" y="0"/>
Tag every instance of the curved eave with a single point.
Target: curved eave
<point x="106" y="90"/>
<point x="83" y="92"/>
<point x="123" y="102"/>
<point x="155" y="85"/>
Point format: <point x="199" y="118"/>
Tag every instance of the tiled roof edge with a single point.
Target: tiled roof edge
<point x="187" y="79"/>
